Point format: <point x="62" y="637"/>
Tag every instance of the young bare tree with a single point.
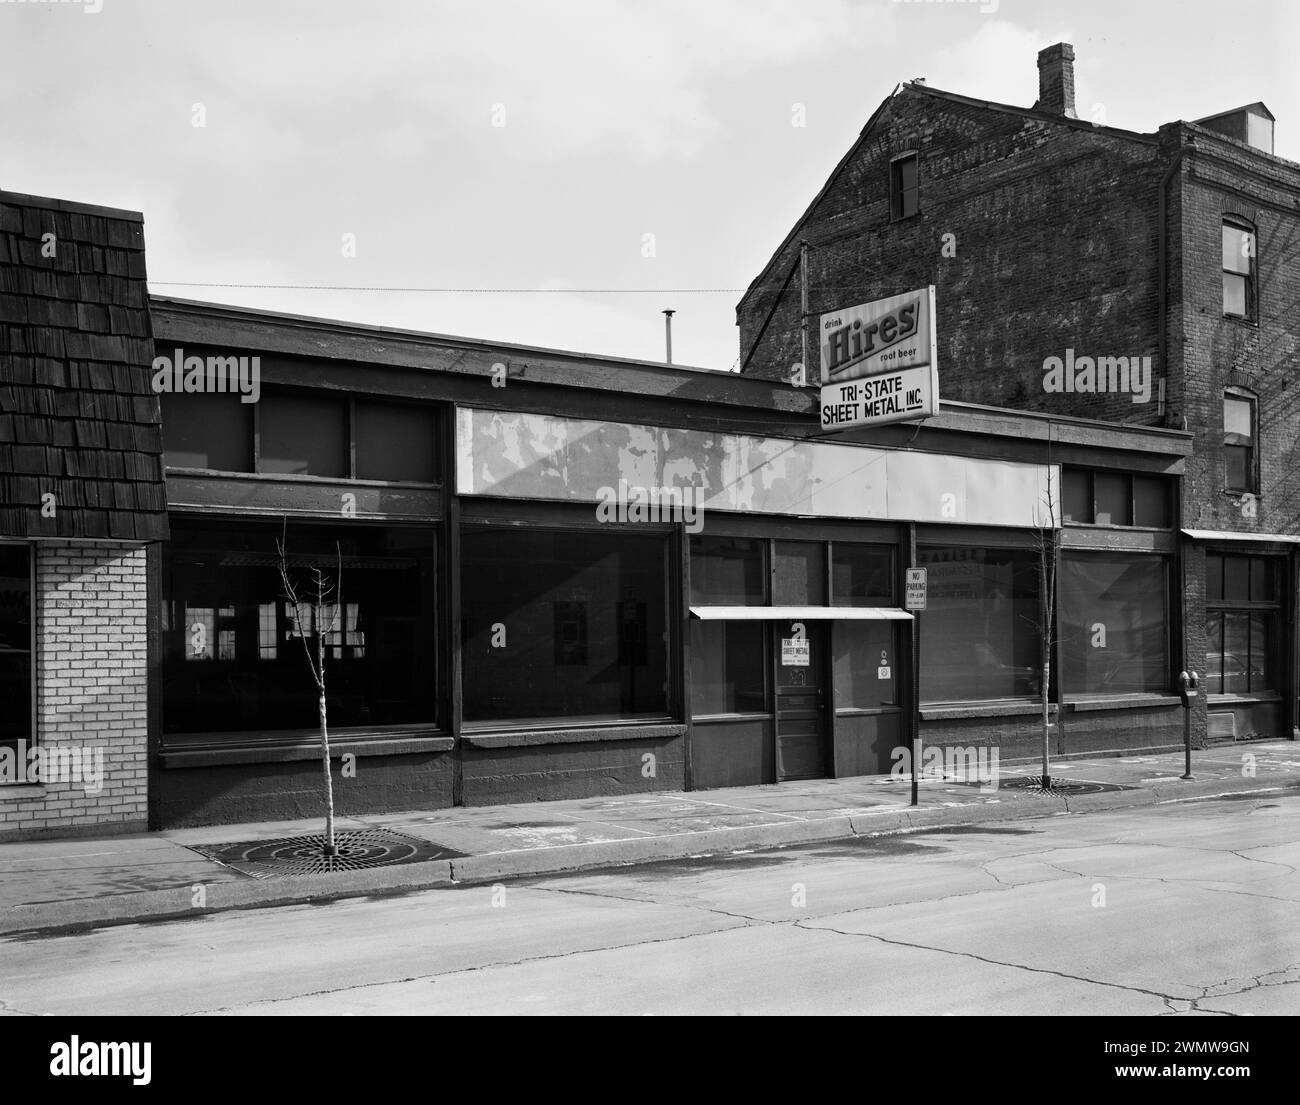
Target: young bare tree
<point x="323" y="602"/>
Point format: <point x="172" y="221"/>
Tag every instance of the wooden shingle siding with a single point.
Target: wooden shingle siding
<point x="78" y="417"/>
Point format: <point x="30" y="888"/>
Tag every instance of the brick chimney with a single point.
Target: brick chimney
<point x="1056" y="80"/>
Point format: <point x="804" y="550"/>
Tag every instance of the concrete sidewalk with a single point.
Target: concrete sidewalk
<point x="46" y="885"/>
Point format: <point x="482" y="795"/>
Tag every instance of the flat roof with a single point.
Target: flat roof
<point x="206" y="323"/>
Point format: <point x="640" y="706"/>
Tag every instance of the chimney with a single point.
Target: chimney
<point x="1056" y="80"/>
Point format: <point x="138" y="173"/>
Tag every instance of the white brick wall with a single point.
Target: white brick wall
<point x="91" y="614"/>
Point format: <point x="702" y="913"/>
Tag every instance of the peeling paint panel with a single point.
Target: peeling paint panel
<point x="534" y="456"/>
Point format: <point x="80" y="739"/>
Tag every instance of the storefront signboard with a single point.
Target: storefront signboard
<point x="879" y="362"/>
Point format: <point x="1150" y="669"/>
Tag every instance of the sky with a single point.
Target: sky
<point x="548" y="157"/>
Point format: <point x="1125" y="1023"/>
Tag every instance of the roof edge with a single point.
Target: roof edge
<point x="71" y="207"/>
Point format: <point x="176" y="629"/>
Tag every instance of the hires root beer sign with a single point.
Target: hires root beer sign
<point x="892" y="341"/>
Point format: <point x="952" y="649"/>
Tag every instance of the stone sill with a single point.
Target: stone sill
<point x="1083" y="704"/>
<point x="528" y="737"/>
<point x="211" y="756"/>
<point x="997" y="708"/>
<point x="1241" y="699"/>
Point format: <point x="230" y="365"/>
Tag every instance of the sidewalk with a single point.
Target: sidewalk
<point x="116" y="880"/>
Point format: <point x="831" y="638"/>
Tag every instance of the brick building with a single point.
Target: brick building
<point x="1090" y="271"/>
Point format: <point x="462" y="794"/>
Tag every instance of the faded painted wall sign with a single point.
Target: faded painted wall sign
<point x="535" y="456"/>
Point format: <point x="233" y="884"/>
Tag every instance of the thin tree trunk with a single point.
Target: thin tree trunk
<point x="1046" y="780"/>
<point x="325" y="739"/>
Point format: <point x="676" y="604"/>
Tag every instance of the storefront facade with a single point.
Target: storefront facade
<point x="574" y="576"/>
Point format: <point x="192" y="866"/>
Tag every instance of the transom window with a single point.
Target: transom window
<point x="300" y="433"/>
<point x="1114" y="499"/>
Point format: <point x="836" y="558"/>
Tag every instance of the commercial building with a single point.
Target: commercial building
<point x="560" y="574"/>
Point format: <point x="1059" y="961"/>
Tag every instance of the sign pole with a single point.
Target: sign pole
<point x="916" y="701"/>
<point x="914" y="598"/>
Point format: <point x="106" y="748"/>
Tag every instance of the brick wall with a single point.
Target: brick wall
<point x="91" y="610"/>
<point x="1054" y="243"/>
<point x="1221" y="178"/>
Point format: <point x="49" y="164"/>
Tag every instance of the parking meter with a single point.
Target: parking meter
<point x="1187" y="685"/>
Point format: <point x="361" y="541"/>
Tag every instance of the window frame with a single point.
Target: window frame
<point x="1131" y="479"/>
<point x="172" y="740"/>
<point x="898" y="194"/>
<point x="1242" y="395"/>
<point x="349" y="403"/>
<point x="673" y="644"/>
<point x="1250" y="277"/>
<point x="32" y="735"/>
<point x="1029" y="554"/>
<point x="1074" y="555"/>
<point x="1272" y="608"/>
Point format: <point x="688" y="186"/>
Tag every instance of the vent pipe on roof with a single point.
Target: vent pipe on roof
<point x="668" y="333"/>
<point x="1056" y="80"/>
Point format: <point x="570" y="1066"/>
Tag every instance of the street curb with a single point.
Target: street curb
<point x="178" y="903"/>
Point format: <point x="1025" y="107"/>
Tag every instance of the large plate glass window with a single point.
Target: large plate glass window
<point x="563" y="626"/>
<point x="233" y="658"/>
<point x="979" y="633"/>
<point x="1113" y="624"/>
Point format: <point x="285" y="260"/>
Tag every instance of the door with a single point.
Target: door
<point x="801" y="700"/>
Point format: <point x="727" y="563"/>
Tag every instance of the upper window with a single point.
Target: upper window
<point x="862" y="575"/>
<point x="1238" y="269"/>
<point x="1239" y="432"/>
<point x="904" y="187"/>
<point x="302" y="433"/>
<point x="728" y="571"/>
<point x="799" y="573"/>
<point x="1114" y="499"/>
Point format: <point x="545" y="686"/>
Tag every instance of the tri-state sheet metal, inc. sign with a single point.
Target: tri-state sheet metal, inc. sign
<point x="879" y="362"/>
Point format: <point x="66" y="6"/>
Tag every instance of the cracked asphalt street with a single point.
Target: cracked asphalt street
<point x="1186" y="908"/>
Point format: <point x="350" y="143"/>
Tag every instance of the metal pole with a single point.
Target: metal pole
<point x="803" y="306"/>
<point x="916" y="700"/>
<point x="668" y="333"/>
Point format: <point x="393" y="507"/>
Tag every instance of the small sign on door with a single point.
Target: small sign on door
<point x="883" y="673"/>
<point x="795" y="652"/>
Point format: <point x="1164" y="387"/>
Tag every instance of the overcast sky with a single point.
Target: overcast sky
<point x="535" y="145"/>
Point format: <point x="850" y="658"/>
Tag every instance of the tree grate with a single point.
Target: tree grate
<point x="1060" y="788"/>
<point x="357" y="850"/>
